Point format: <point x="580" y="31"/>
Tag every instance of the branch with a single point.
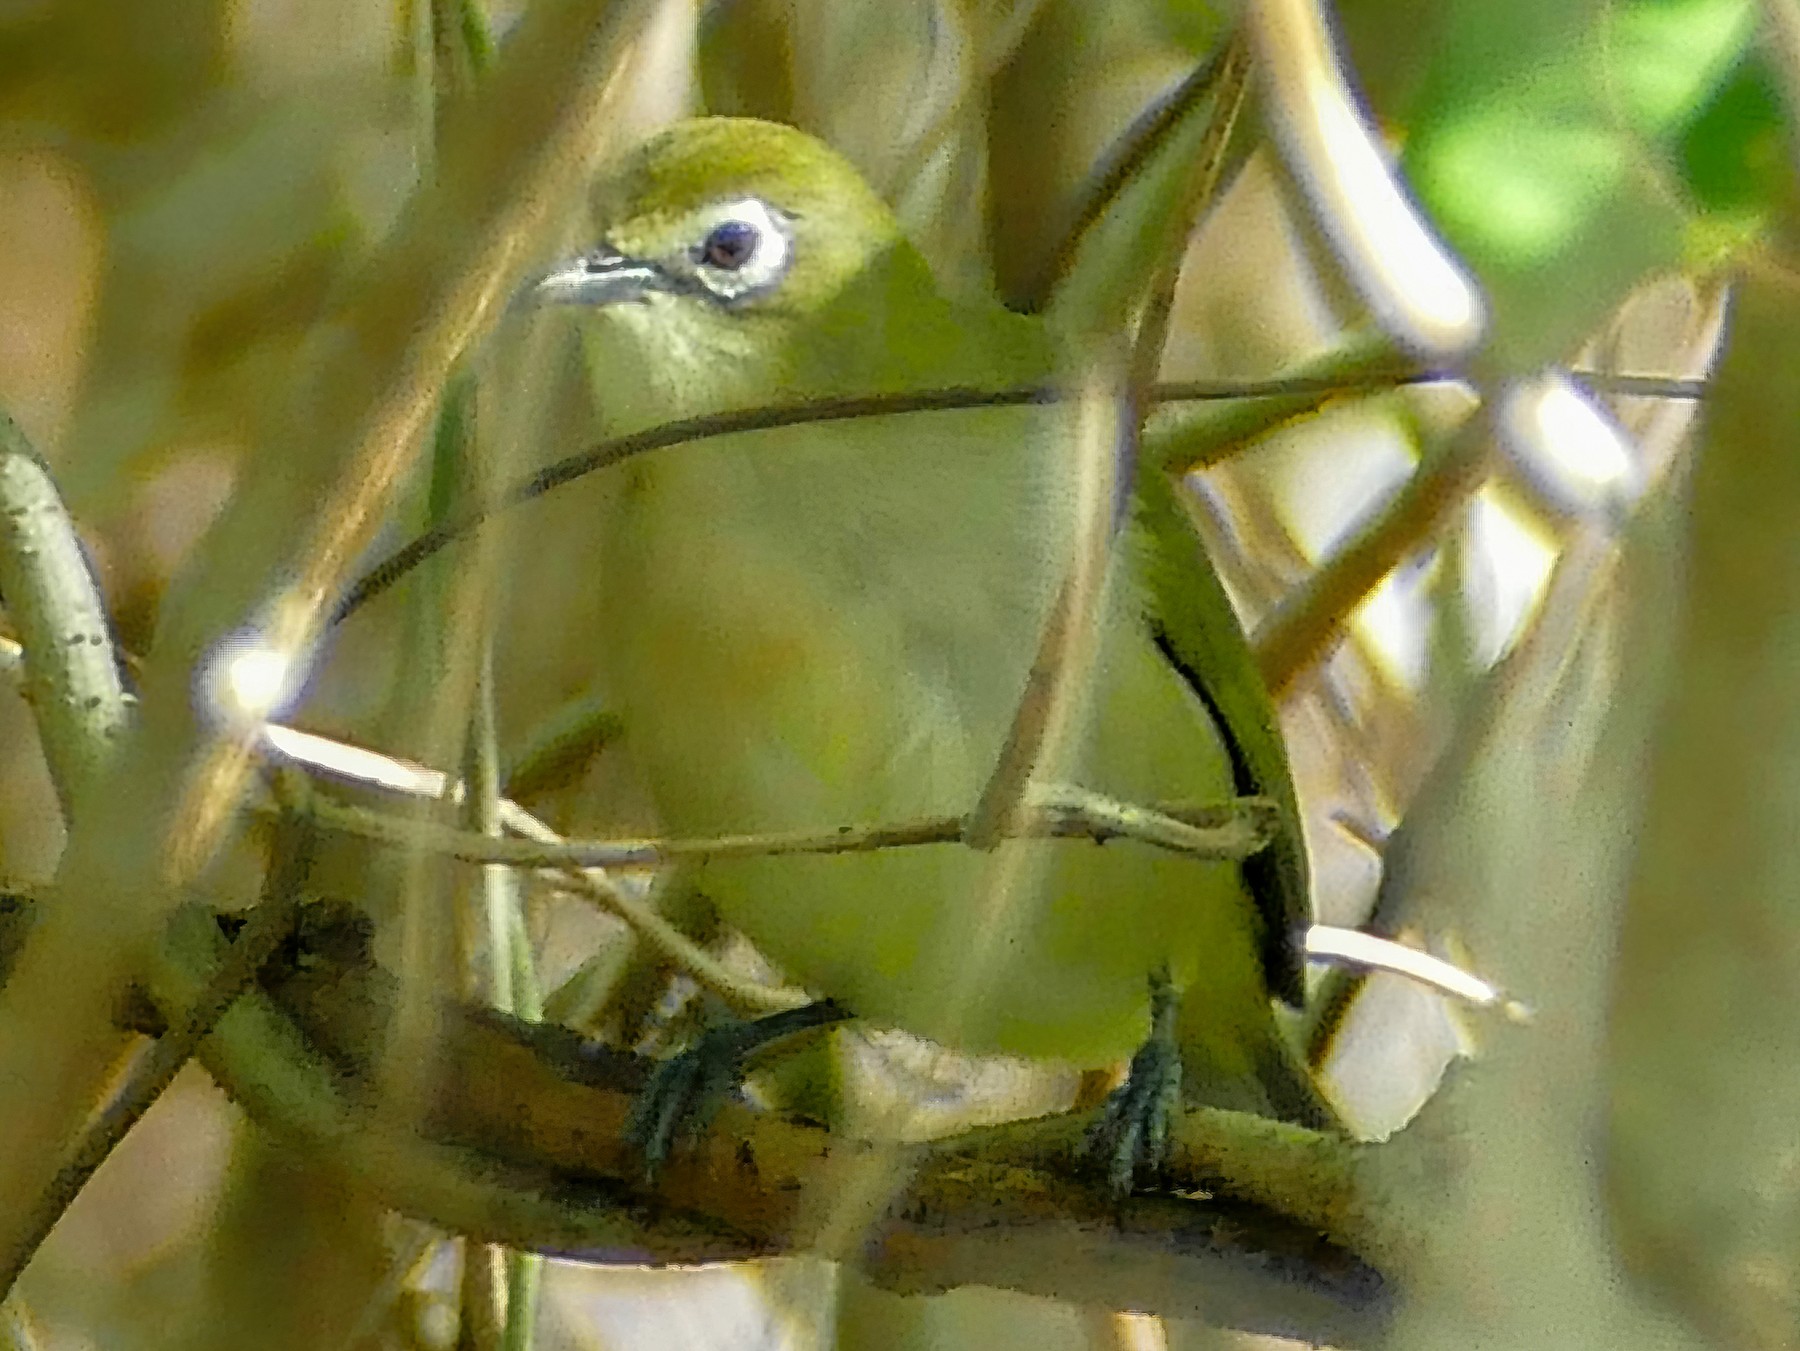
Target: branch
<point x="470" y="231"/>
<point x="559" y="750"/>
<point x="268" y="925"/>
<point x="162" y="802"/>
<point x="1345" y="375"/>
<point x="1183" y="439"/>
<point x="1261" y="1225"/>
<point x="70" y="664"/>
<point x="387" y="773"/>
<point x="1308" y="621"/>
<point x="1233" y="830"/>
<point x="1363" y="366"/>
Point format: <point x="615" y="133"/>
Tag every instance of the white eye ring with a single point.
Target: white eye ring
<point x="746" y="247"/>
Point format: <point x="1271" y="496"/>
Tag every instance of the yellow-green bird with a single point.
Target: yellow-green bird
<point x="829" y="625"/>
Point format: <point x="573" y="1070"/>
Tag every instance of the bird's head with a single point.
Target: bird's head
<point x="734" y="258"/>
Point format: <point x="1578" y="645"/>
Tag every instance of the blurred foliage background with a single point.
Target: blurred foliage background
<point x="1560" y="701"/>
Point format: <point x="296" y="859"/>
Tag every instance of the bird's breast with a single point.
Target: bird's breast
<point x="825" y="630"/>
<point x="808" y="627"/>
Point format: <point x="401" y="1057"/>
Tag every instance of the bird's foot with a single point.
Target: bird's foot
<point x="1131" y="1137"/>
<point x="686" y="1091"/>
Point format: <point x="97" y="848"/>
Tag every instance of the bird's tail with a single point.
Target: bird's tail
<point x="1293" y="1091"/>
<point x="1238" y="1058"/>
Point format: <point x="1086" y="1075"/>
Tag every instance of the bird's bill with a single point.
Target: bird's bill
<point x="598" y="277"/>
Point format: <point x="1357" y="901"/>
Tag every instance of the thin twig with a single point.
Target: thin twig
<point x="70" y="664"/>
<point x="1127" y="160"/>
<point x="1233" y="830"/>
<point x="1106" y="448"/>
<point x="384" y="574"/>
<point x="1375" y="380"/>
<point x="316" y="753"/>
<point x="1203" y="170"/>
<point x="263" y="931"/>
<point x="1225" y="832"/>
<point x="1309" y="387"/>
<point x="1306" y="622"/>
<point x="164" y="801"/>
<point x="580" y="52"/>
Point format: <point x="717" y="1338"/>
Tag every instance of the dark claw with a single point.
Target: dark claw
<point x="1131" y="1138"/>
<point x="686" y="1090"/>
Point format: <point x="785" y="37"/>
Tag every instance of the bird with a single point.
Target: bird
<point x="808" y="627"/>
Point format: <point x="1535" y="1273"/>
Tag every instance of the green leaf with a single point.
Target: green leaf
<point x="1734" y="154"/>
<point x="1547" y="144"/>
<point x="1705" y="1205"/>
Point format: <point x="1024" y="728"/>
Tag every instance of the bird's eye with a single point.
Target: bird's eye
<point x="744" y="249"/>
<point x="731" y="244"/>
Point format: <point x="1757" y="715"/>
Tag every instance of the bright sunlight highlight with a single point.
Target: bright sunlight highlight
<point x="1569" y="447"/>
<point x="1329" y="943"/>
<point x="1416" y="288"/>
<point x="246" y="681"/>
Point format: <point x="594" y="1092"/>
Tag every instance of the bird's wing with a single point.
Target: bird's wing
<point x="1194" y="625"/>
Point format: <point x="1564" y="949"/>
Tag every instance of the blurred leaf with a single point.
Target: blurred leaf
<point x="116" y="73"/>
<point x="1736" y="162"/>
<point x="746" y="60"/>
<point x="1070" y="93"/>
<point x="1520" y="845"/>
<point x="1545" y="146"/>
<point x="1703" y="1166"/>
<point x="874" y="1320"/>
<point x="1146" y="207"/>
<point x="218" y="263"/>
<point x="293" y="1258"/>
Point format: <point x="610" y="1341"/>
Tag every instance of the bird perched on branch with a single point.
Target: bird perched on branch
<point x="811" y="627"/>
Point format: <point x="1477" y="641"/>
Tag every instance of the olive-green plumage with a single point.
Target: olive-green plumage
<point x="816" y="626"/>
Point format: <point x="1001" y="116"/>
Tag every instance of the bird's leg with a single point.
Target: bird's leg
<point x="685" y="1091"/>
<point x="1132" y="1133"/>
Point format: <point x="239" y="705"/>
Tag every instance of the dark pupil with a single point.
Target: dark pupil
<point x="730" y="245"/>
